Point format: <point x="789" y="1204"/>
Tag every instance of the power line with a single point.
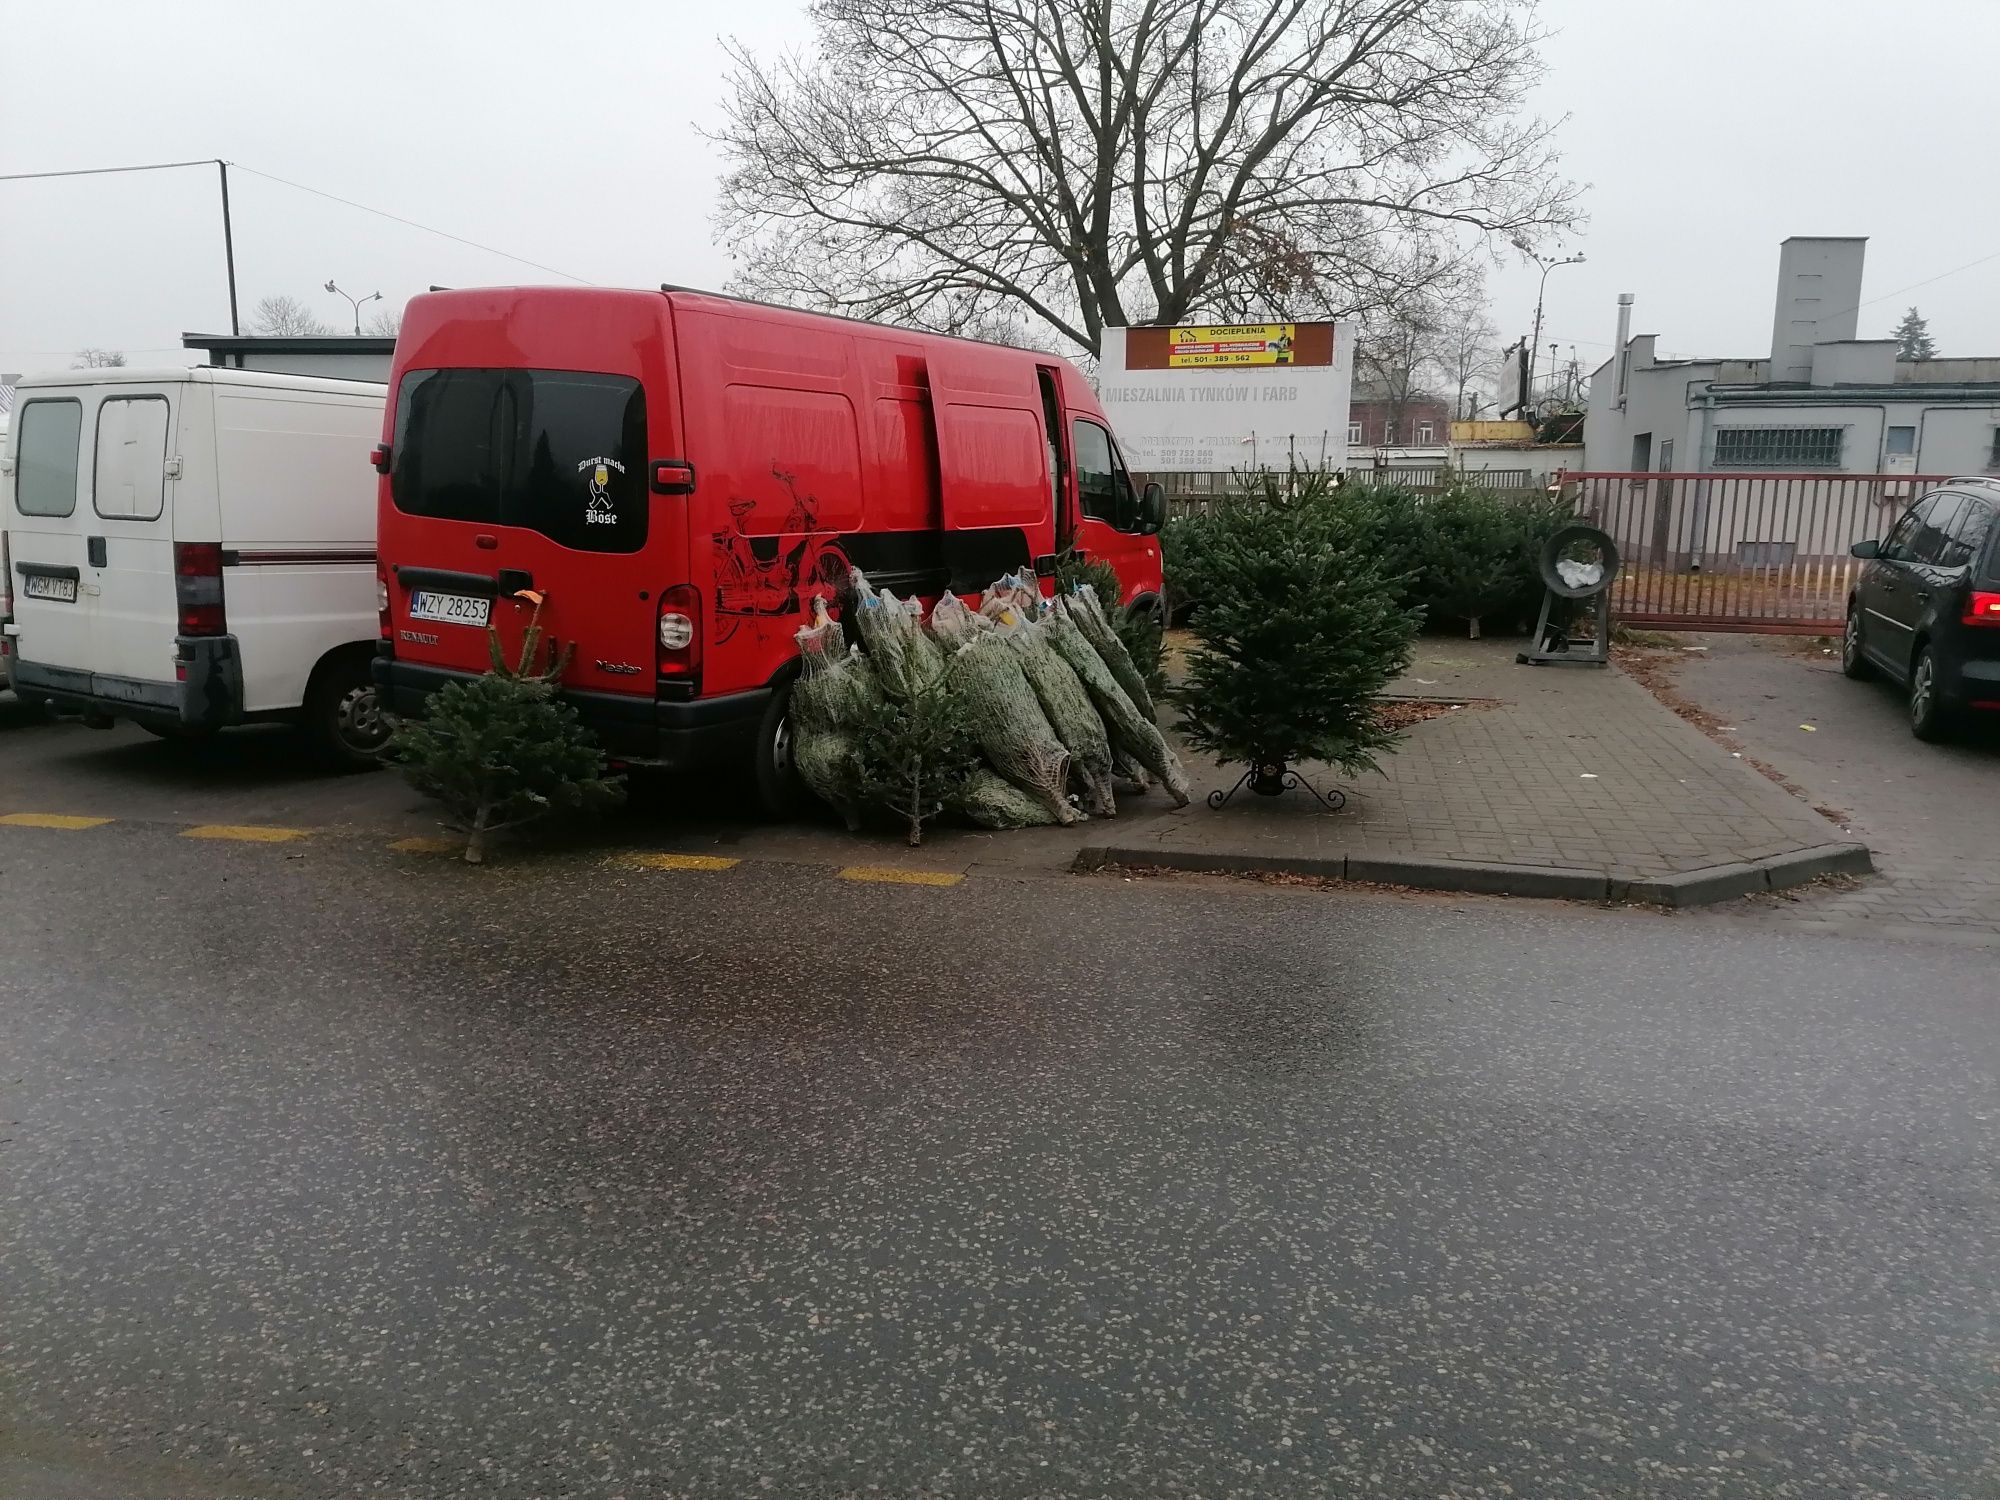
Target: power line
<point x="155" y="166"/>
<point x="382" y="213"/>
<point x="1915" y="284"/>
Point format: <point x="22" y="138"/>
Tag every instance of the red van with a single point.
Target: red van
<point x="677" y="474"/>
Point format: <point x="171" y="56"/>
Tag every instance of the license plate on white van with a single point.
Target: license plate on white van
<point x="451" y="609"/>
<point x="41" y="586"/>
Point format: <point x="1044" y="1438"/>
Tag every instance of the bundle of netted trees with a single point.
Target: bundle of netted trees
<point x="1024" y="712"/>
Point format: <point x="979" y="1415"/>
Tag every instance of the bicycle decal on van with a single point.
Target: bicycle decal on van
<point x="757" y="575"/>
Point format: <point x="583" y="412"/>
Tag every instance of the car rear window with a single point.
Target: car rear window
<point x="45" y="458"/>
<point x="561" y="452"/>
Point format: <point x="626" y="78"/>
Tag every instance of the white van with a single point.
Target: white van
<point x="195" y="548"/>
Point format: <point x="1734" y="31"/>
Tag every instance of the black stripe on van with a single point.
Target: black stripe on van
<point x="929" y="562"/>
<point x="281" y="557"/>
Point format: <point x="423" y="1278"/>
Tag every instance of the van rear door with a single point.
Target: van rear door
<point x="509" y="482"/>
<point x="52" y="607"/>
<point x="129" y="543"/>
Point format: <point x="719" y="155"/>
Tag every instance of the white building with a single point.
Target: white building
<point x="1823" y="401"/>
<point x="343" y="356"/>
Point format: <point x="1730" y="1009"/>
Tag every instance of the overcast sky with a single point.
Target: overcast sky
<point x="1708" y="130"/>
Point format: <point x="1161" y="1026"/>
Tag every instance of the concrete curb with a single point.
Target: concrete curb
<point x="1687" y="888"/>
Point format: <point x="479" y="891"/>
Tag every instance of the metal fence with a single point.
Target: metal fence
<point x="1753" y="552"/>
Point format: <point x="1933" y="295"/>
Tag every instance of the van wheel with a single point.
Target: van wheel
<point x="779" y="788"/>
<point x="341" y="713"/>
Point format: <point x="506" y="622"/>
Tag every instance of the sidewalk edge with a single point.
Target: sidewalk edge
<point x="1701" y="887"/>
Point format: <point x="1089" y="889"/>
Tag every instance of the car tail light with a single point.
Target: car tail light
<point x="680" y="631"/>
<point x="1983" y="609"/>
<point x="381" y="456"/>
<point x="382" y="603"/>
<point x="198" y="588"/>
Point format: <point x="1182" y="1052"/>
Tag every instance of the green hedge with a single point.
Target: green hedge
<point x="1466" y="556"/>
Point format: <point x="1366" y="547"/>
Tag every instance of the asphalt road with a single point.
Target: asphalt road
<point x="1928" y="812"/>
<point x="329" y="1172"/>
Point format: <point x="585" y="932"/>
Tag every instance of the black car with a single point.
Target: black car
<point x="1927" y="608"/>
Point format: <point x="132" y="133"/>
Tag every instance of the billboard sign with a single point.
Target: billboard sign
<point x="1212" y="398"/>
<point x="1231" y="344"/>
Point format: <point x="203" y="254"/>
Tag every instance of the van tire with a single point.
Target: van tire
<point x="779" y="788"/>
<point x="340" y="715"/>
<point x="1931" y="718"/>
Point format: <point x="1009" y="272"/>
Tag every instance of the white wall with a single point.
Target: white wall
<point x="1957" y="439"/>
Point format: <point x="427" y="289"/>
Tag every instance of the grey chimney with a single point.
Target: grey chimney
<point x="1618" y="351"/>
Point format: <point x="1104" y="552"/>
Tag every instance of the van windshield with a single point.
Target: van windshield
<point x="562" y="452"/>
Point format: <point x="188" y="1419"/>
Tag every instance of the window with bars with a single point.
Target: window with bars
<point x="1779" y="447"/>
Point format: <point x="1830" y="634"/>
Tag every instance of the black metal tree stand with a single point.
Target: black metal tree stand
<point x="1271" y="778"/>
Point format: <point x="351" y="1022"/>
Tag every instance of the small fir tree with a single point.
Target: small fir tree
<point x="1297" y="635"/>
<point x="1469" y="552"/>
<point x="914" y="756"/>
<point x="503" y="750"/>
<point x="1913" y="337"/>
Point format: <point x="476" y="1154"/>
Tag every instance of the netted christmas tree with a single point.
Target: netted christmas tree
<point x="1139" y="634"/>
<point x="1298" y="634"/>
<point x="503" y="750"/>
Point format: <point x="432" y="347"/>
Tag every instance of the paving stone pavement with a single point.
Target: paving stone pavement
<point x="1930" y="813"/>
<point x="1563" y="767"/>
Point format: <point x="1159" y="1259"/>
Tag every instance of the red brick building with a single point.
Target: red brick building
<point x="1374" y="422"/>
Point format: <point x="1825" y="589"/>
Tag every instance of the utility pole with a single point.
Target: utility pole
<point x="229" y="249"/>
<point x="1535" y="344"/>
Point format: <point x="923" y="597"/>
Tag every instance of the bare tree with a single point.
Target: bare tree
<point x="1073" y="164"/>
<point x="98" y="359"/>
<point x="1467" y="352"/>
<point x="1398" y="353"/>
<point x="385" y="322"/>
<point x="285" y="317"/>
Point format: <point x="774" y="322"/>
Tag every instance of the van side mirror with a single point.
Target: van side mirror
<point x="1866" y="549"/>
<point x="1152" y="508"/>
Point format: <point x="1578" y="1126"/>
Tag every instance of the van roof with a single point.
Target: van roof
<point x="686" y="295"/>
<point x="206" y="374"/>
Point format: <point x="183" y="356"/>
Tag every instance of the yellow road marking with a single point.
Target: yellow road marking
<point x="890" y="876"/>
<point x="675" y="861"/>
<point x="244" y="833"/>
<point x="51" y="820"/>
<point x="421" y="845"/>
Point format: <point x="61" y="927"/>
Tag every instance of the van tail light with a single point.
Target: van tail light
<point x="382" y="603"/>
<point x="198" y="588"/>
<point x="6" y="575"/>
<point x="679" y="638"/>
<point x="1983" y="609"/>
<point x="381" y="456"/>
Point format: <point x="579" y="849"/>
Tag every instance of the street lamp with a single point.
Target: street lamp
<point x="377" y="297"/>
<point x="1535" y="344"/>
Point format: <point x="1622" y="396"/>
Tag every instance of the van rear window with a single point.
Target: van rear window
<point x="562" y="452"/>
<point x="45" y="457"/>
